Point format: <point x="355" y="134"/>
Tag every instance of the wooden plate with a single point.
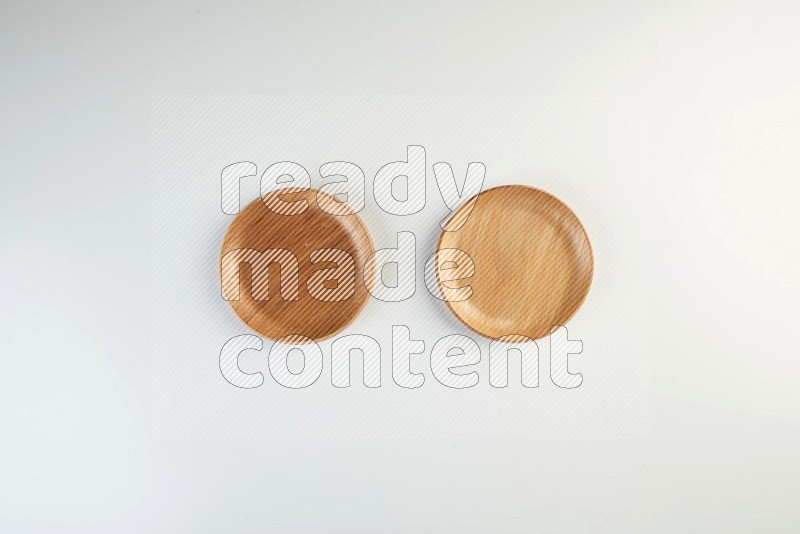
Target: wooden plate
<point x="325" y="298"/>
<point x="532" y="257"/>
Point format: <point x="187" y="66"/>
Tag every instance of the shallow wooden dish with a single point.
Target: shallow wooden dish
<point x="533" y="262"/>
<point x="259" y="228"/>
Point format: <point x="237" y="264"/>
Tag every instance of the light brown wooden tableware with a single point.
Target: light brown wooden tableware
<point x="533" y="262"/>
<point x="259" y="228"/>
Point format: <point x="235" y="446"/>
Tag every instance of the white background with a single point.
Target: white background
<point x="83" y="444"/>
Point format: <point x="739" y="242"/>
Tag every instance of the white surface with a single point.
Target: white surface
<point x="83" y="449"/>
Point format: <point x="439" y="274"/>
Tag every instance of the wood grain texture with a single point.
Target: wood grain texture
<point x="533" y="262"/>
<point x="259" y="228"/>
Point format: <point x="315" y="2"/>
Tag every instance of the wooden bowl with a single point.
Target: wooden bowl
<point x="302" y="312"/>
<point x="533" y="262"/>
